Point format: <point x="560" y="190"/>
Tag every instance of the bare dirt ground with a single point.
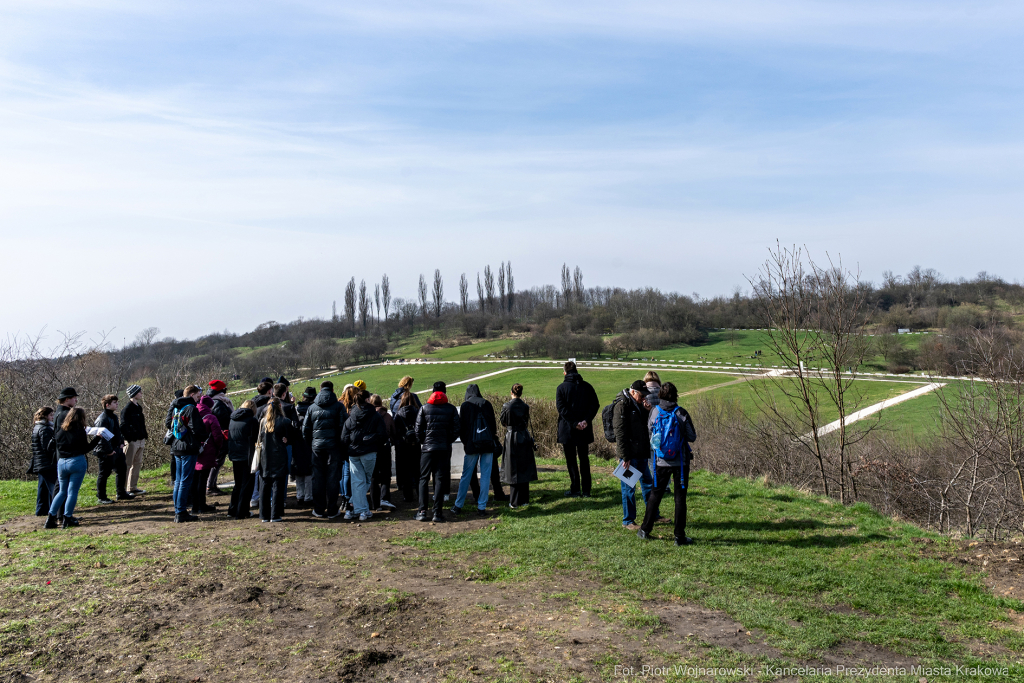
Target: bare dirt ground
<point x="315" y="600"/>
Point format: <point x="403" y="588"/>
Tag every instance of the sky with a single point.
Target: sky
<point x="204" y="166"/>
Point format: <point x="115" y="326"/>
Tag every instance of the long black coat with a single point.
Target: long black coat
<point x="518" y="463"/>
<point x="274" y="459"/>
<point x="576" y="401"/>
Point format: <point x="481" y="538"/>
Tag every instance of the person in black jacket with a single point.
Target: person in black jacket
<point x="577" y="405"/>
<point x="73" y="443"/>
<point x="133" y="429"/>
<point x="519" y="460"/>
<point x="222" y="409"/>
<point x="633" y="445"/>
<point x="479" y="434"/>
<point x="407" y="450"/>
<point x="243" y="430"/>
<point x="192" y="432"/>
<point x="665" y="470"/>
<point x="363" y="435"/>
<point x="437" y="428"/>
<point x="321" y="430"/>
<point x="110" y="453"/>
<point x="278" y="432"/>
<point x="44" y="459"/>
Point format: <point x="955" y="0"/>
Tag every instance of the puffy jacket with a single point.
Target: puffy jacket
<point x="222" y="407"/>
<point x="364" y="431"/>
<point x="243" y="430"/>
<point x="215" y="443"/>
<point x="437" y="424"/>
<point x="685" y="423"/>
<point x="629" y="420"/>
<point x="197" y="431"/>
<point x="576" y="401"/>
<point x="108" y="420"/>
<point x="324" y="421"/>
<point x="473" y="406"/>
<point x="133" y="423"/>
<point x="44" y="450"/>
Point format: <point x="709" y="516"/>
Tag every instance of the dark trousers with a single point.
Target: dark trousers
<point x="45" y="492"/>
<point x="520" y="494"/>
<point x="380" y="484"/>
<point x="579" y="474"/>
<point x="407" y="469"/>
<point x="499" y="492"/>
<point x="111" y="463"/>
<point x="272" y="497"/>
<point x="662" y="477"/>
<point x="242" y="491"/>
<point x="326" y="481"/>
<point x="438" y="464"/>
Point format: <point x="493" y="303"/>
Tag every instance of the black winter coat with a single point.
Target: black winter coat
<point x="576" y="401"/>
<point x="133" y="423"/>
<point x="519" y="462"/>
<point x="108" y="420"/>
<point x="629" y="420"/>
<point x="44" y="450"/>
<point x="321" y="429"/>
<point x="243" y="429"/>
<point x="474" y="406"/>
<point x="274" y="459"/>
<point x="197" y="431"/>
<point x="437" y="426"/>
<point x="364" y="431"/>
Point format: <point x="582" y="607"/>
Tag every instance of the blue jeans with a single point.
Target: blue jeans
<point x="185" y="468"/>
<point x="468" y="470"/>
<point x="70" y="473"/>
<point x="629" y="492"/>
<point x="361" y="469"/>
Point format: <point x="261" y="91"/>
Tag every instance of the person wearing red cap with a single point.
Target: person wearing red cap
<point x="222" y="409"/>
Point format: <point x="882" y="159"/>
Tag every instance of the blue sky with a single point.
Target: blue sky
<point x="252" y="157"/>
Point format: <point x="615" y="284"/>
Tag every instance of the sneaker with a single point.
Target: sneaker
<point x="388" y="504"/>
<point x="685" y="540"/>
<point x="318" y="515"/>
<point x="106" y="501"/>
<point x="365" y="517"/>
<point x="349" y="515"/>
<point x="421" y="516"/>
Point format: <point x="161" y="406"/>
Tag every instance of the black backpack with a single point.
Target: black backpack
<point x="607" y="415"/>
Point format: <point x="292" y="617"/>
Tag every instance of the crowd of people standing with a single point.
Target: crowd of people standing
<point x="340" y="449"/>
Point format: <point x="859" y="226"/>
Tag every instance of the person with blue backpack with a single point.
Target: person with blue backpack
<point x="672" y="432"/>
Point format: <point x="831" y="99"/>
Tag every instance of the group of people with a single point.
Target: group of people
<point x="338" y="449"/>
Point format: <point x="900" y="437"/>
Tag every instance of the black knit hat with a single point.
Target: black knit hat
<point x="69" y="392"/>
<point x="441" y="386"/>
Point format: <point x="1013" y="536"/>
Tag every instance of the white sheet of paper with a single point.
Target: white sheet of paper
<point x="632" y="478"/>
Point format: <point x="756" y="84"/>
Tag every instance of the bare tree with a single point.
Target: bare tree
<point x="422" y="292"/>
<point x="464" y="294"/>
<point x="385" y="293"/>
<point x="489" y="287"/>
<point x="438" y="292"/>
<point x="501" y="287"/>
<point x="147" y="336"/>
<point x="810" y="315"/>
<point x="510" y="283"/>
<point x="350" y="305"/>
<point x="364" y="306"/>
<point x="480" y="294"/>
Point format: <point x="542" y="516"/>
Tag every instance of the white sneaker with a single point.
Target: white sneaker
<point x="387" y="504"/>
<point x="350" y="515"/>
<point x="365" y="516"/>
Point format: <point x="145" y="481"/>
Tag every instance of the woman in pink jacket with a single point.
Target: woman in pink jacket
<point x="207" y="456"/>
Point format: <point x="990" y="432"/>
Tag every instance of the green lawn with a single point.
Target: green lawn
<point x="807" y="572"/>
